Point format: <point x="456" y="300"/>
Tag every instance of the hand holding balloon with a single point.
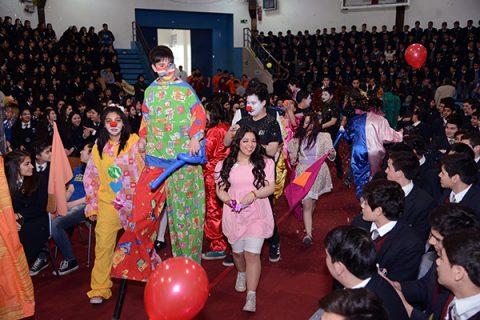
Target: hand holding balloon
<point x="183" y="158"/>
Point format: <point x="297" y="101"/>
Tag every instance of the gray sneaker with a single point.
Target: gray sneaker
<point x="241" y="283"/>
<point x="251" y="302"/>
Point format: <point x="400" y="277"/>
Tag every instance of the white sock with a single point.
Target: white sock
<point x="162" y="228"/>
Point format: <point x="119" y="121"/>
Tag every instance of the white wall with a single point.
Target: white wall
<point x="182" y="50"/>
<point x="300" y="15"/>
<point x="291" y="14"/>
<point x="14" y="9"/>
<point x="119" y="14"/>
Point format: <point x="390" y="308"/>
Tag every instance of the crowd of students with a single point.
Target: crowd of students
<point x="415" y="193"/>
<point x="376" y="57"/>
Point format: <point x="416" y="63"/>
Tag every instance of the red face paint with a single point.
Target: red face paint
<point x="249" y="108"/>
<point x="113" y="124"/>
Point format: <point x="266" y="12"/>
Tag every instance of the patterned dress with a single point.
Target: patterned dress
<point x="172" y="116"/>
<point x="306" y="157"/>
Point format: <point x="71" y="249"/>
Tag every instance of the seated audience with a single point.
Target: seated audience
<point x="351" y="260"/>
<point x="29" y="200"/>
<point x="458" y="270"/>
<point x="350" y="304"/>
<point x="426" y="294"/>
<point x="402" y="168"/>
<point x="76" y="213"/>
<point x="458" y="175"/>
<point x="399" y="249"/>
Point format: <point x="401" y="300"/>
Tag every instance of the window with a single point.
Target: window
<point x="269" y="4"/>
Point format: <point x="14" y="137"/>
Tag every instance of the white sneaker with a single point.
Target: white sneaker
<point x="251" y="302"/>
<point x="96" y="300"/>
<point x="241" y="283"/>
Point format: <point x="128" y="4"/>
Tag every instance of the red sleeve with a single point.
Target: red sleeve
<point x="199" y="121"/>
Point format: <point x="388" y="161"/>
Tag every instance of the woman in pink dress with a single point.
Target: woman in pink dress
<point x="245" y="179"/>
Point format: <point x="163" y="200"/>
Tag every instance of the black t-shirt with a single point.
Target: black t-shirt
<point x="267" y="128"/>
<point x="329" y="111"/>
<point x="304" y="111"/>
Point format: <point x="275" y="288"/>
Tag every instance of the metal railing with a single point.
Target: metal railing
<point x="143" y="47"/>
<point x="261" y="53"/>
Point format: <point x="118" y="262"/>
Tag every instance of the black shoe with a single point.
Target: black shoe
<point x="274" y="255"/>
<point x="307" y="241"/>
<point x="159" y="245"/>
<point x="228" y="262"/>
<point x="66" y="267"/>
<point x="38" y="266"/>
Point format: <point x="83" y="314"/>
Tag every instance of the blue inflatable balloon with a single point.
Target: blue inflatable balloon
<point x="182" y="159"/>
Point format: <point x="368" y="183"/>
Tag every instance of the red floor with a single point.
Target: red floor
<point x="289" y="289"/>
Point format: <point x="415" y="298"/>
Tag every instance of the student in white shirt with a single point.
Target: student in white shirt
<point x="458" y="269"/>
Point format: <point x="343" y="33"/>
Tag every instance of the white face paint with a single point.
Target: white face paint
<point x="254" y="105"/>
<point x="113" y="124"/>
<point x="325" y="96"/>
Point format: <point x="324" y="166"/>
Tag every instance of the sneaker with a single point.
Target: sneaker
<point x="228" y="262"/>
<point x="251" y="302"/>
<point x="96" y="300"/>
<point x="241" y="283"/>
<point x="274" y="255"/>
<point x="66" y="267"/>
<point x="307" y="241"/>
<point x="38" y="266"/>
<point x="214" y="255"/>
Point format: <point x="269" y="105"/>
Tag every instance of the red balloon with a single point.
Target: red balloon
<point x="177" y="289"/>
<point x="415" y="55"/>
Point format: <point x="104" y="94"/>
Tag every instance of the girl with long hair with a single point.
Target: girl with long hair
<point x="217" y="128"/>
<point x="309" y="145"/>
<point x="110" y="180"/>
<point x="245" y="179"/>
<point x="29" y="199"/>
<point x="74" y="141"/>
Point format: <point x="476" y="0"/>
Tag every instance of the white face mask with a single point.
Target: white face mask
<point x="254" y="105"/>
<point x="325" y="96"/>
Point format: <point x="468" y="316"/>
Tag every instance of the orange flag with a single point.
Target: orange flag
<point x="302" y="179"/>
<point x="16" y="288"/>
<point x="60" y="175"/>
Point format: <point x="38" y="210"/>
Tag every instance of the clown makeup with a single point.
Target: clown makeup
<point x="113" y="124"/>
<point x="254" y="105"/>
<point x="325" y="96"/>
<point x="164" y="68"/>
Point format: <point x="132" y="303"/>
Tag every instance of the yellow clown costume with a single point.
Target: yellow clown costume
<point x="110" y="182"/>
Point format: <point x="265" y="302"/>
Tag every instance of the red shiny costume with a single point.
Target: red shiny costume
<point x="216" y="151"/>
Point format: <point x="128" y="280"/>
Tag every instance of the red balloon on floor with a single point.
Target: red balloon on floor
<point x="177" y="289"/>
<point x="415" y="55"/>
